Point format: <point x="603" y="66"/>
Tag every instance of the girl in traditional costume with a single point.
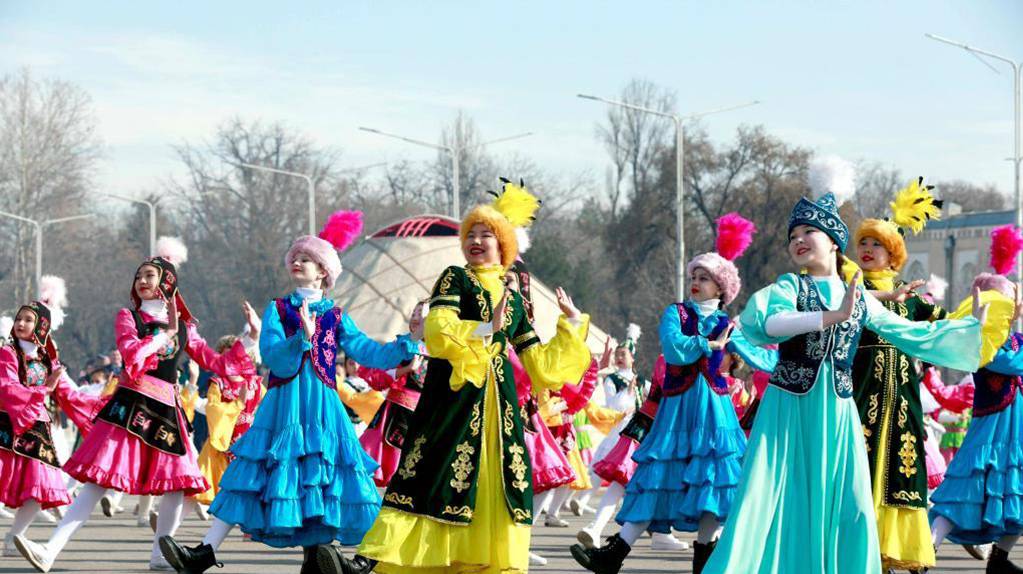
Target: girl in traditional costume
<point x="299" y="476"/>
<point x="462" y="499"/>
<point x="689" y="461"/>
<point x="139" y="443"/>
<point x="886" y="385"/>
<point x="31" y="380"/>
<point x="981" y="498"/>
<point x="804" y="502"/>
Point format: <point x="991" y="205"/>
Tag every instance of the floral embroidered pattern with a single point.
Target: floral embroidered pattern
<point x="509" y="424"/>
<point x="908" y="454"/>
<point x="522" y="515"/>
<point x="462" y="511"/>
<point x="408" y="468"/>
<point x="462" y="467"/>
<point x="474" y="423"/>
<point x="399" y="499"/>
<point x="518" y="466"/>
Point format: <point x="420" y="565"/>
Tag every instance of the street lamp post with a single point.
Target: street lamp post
<point x="309" y="182"/>
<point x="39" y="225"/>
<point x="152" y="217"/>
<point x="1017" y="101"/>
<point x="455" y="152"/>
<point x="679" y="121"/>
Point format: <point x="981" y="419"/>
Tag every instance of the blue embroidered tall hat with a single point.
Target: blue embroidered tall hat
<point x="832" y="181"/>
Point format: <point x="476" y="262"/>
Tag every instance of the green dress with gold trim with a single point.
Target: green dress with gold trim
<point x="461" y="499"/>
<point x="886" y="387"/>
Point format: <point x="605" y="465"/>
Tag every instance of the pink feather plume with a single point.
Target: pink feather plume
<point x="342" y="229"/>
<point x="735" y="234"/>
<point x="1006" y="243"/>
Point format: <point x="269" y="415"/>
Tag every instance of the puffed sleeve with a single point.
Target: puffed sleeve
<point x="80" y="407"/>
<point x="1008" y="361"/>
<point x="952" y="343"/>
<point x="563" y="359"/>
<point x="281" y="354"/>
<point x="372" y="353"/>
<point x="778" y="297"/>
<point x="234" y="362"/>
<point x="759" y="358"/>
<point x="221" y="417"/>
<point x="997" y="323"/>
<point x="24" y="405"/>
<point x="679" y="348"/>
<point x="453" y="339"/>
<point x="139" y="354"/>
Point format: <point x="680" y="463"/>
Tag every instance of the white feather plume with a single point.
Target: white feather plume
<point x="172" y="249"/>
<point x="832" y="174"/>
<point x="522" y="235"/>
<point x="6" y="324"/>
<point x="53" y="294"/>
<point x="936" y="286"/>
<point x="633" y="332"/>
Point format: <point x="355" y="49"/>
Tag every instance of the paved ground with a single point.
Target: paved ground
<point x="118" y="545"/>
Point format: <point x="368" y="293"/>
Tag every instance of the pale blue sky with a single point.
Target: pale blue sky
<point x="856" y="79"/>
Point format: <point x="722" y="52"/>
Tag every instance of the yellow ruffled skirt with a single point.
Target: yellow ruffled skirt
<point x="582" y="474"/>
<point x="904" y="534"/>
<point x="212" y="464"/>
<point x="492" y="543"/>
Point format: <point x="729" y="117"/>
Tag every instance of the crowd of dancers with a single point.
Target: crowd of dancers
<point x="809" y="432"/>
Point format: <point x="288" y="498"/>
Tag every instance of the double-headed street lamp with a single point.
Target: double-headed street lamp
<point x="152" y="217"/>
<point x="455" y="152"/>
<point x="39" y="225"/>
<point x="1017" y="101"/>
<point x="679" y="170"/>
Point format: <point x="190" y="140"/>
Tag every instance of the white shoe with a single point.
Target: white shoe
<point x="142" y="521"/>
<point x="153" y="517"/>
<point x="588" y="537"/>
<point x="107" y="504"/>
<point x="556" y="521"/>
<point x="661" y="541"/>
<point x="36" y="554"/>
<point x="160" y="563"/>
<point x="46" y="516"/>
<point x="202" y="513"/>
<point x="10" y="550"/>
<point x="575" y="507"/>
<point x="4" y="513"/>
<point x="537" y="560"/>
<point x="58" y="511"/>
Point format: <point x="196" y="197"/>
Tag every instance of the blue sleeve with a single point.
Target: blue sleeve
<point x="368" y="352"/>
<point x="759" y="358"/>
<point x="283" y="355"/>
<point x="1007" y="361"/>
<point x="680" y="349"/>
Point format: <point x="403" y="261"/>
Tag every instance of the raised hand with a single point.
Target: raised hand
<point x="243" y="395"/>
<point x="252" y="320"/>
<point x="980" y="311"/>
<point x="53" y="378"/>
<point x="721" y="341"/>
<point x="308" y="320"/>
<point x="566" y="304"/>
<point x="172" y="318"/>
<point x="903" y="291"/>
<point x="605" y="359"/>
<point x="1018" y="311"/>
<point x="499" y="311"/>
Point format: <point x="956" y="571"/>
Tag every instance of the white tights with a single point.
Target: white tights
<point x="217" y="533"/>
<point x="606" y="510"/>
<point x="23" y="518"/>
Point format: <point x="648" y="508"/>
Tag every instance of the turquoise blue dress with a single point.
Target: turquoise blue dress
<point x="690" y="461"/>
<point x="982" y="494"/>
<point x="299" y="476"/>
<point x="804" y="503"/>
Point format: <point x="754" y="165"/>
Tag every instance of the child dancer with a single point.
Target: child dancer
<point x="139" y="442"/>
<point x="688" y="465"/>
<point x="462" y="499"/>
<point x="804" y="502"/>
<point x="980" y="498"/>
<point x="299" y="477"/>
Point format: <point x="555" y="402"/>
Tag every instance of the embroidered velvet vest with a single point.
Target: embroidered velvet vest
<point x="678" y="378"/>
<point x="170" y="357"/>
<point x="323" y="355"/>
<point x="994" y="392"/>
<point x="800" y="358"/>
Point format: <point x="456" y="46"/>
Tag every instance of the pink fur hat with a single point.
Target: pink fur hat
<point x="735" y="234"/>
<point x="340" y="231"/>
<point x="993" y="282"/>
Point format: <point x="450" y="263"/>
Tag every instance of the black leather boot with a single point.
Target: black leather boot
<point x="333" y="561"/>
<point x="186" y="560"/>
<point x="310" y="564"/>
<point x="999" y="563"/>
<point x="607" y="559"/>
<point x="701" y="554"/>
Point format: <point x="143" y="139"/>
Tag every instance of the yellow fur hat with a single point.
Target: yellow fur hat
<point x="513" y="208"/>
<point x="913" y="207"/>
<point x="888" y="234"/>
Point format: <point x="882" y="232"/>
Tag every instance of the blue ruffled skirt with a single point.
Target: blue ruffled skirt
<point x="300" y="477"/>
<point x="689" y="463"/>
<point x="982" y="495"/>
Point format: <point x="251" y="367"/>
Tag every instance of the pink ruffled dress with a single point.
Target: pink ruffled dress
<point x="139" y="442"/>
<point x="385" y="435"/>
<point x="617" y="465"/>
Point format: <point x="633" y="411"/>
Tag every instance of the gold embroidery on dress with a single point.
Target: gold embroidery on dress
<point x="480" y="298"/>
<point x="903" y="405"/>
<point x="904" y="369"/>
<point x="463" y="511"/>
<point x="445" y="282"/>
<point x="522" y="515"/>
<point x="518" y="466"/>
<point x="867" y="433"/>
<point x="400" y="499"/>
<point x="408" y="469"/>
<point x="906" y="496"/>
<point x="509" y="424"/>
<point x="474" y="423"/>
<point x="462" y="467"/>
<point x="908" y="454"/>
<point x="872" y="411"/>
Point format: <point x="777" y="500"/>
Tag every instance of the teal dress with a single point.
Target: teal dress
<point x="804" y="503"/>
